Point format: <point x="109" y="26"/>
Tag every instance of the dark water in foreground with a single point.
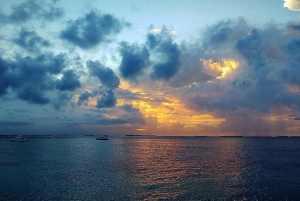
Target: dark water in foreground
<point x="150" y="168"/>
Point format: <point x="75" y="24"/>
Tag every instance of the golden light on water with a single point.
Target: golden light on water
<point x="222" y="68"/>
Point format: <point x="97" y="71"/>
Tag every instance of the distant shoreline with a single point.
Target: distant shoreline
<point x="138" y="135"/>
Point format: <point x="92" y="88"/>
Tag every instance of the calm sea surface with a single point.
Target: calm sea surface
<point x="150" y="168"/>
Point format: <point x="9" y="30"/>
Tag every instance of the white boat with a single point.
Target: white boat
<point x="19" y="138"/>
<point x="104" y="137"/>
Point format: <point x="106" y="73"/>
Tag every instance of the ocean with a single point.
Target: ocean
<point x="150" y="168"/>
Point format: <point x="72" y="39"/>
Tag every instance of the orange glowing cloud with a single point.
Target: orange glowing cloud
<point x="166" y="108"/>
<point x="221" y="69"/>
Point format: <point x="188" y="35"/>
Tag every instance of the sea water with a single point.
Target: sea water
<point x="150" y="168"/>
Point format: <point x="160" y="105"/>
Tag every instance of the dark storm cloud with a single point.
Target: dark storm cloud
<point x="70" y="81"/>
<point x="292" y="49"/>
<point x="261" y="95"/>
<point x="244" y="125"/>
<point x="92" y="29"/>
<point x="30" y="41"/>
<point x="32" y="77"/>
<point x="288" y="70"/>
<point x="134" y="60"/>
<point x="32" y="95"/>
<point x="4" y="81"/>
<point x="251" y="48"/>
<point x="259" y="83"/>
<point x="131" y="116"/>
<point x="223" y="31"/>
<point x="191" y="68"/>
<point x="128" y="95"/>
<point x="168" y="51"/>
<point x="295" y="27"/>
<point x="129" y="108"/>
<point x="32" y="9"/>
<point x="106" y="75"/>
<point x="290" y="75"/>
<point x="61" y="100"/>
<point x="215" y="42"/>
<point x="108" y="99"/>
<point x="84" y="97"/>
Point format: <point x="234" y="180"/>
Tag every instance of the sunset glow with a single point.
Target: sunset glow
<point x="222" y="68"/>
<point x="123" y="67"/>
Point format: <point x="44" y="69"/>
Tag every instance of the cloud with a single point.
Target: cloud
<point x="161" y="30"/>
<point x="292" y="4"/>
<point x="92" y="29"/>
<point x="166" y="50"/>
<point x="62" y="100"/>
<point x="32" y="9"/>
<point x="70" y="81"/>
<point x="251" y="48"/>
<point x="295" y="26"/>
<point x="32" y="77"/>
<point x="30" y="41"/>
<point x="261" y="81"/>
<point x="4" y="81"/>
<point x="106" y="75"/>
<point x="128" y="95"/>
<point x="84" y="97"/>
<point x="15" y="123"/>
<point x="108" y="99"/>
<point x="222" y="32"/>
<point x="288" y="71"/>
<point x="129" y="108"/>
<point x="134" y="60"/>
<point x="244" y="126"/>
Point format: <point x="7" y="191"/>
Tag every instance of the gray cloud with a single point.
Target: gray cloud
<point x="128" y="95"/>
<point x="219" y="34"/>
<point x="31" y="78"/>
<point x="134" y="60"/>
<point x="30" y="41"/>
<point x="106" y="75"/>
<point x="267" y="63"/>
<point x="92" y="29"/>
<point x="251" y="48"/>
<point x="108" y="99"/>
<point x="62" y="100"/>
<point x="129" y="108"/>
<point x="70" y="81"/>
<point x="162" y="44"/>
<point x="32" y="9"/>
<point x="250" y="126"/>
<point x="84" y="97"/>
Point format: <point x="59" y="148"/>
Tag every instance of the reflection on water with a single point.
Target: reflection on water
<point x="168" y="168"/>
<point x="150" y="168"/>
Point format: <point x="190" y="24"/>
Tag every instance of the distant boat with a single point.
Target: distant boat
<point x="104" y="137"/>
<point x="19" y="138"/>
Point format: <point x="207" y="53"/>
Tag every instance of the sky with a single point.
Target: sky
<point x="150" y="67"/>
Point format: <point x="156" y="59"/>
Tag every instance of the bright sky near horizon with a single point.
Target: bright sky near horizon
<point x="185" y="67"/>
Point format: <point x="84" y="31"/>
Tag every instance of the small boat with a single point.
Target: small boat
<point x="52" y="137"/>
<point x="19" y="138"/>
<point x="104" y="137"/>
